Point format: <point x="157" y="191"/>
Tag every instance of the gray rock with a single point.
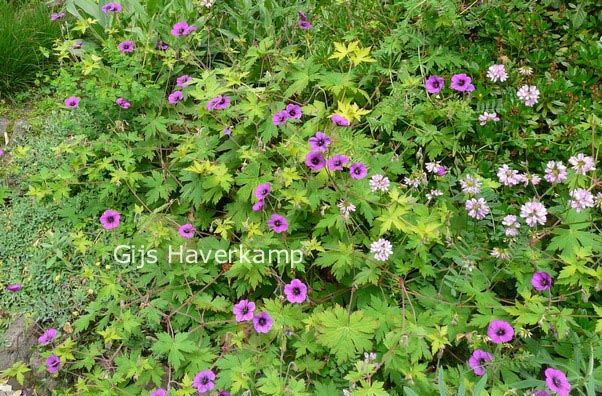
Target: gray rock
<point x="4" y="123"/>
<point x="20" y="340"/>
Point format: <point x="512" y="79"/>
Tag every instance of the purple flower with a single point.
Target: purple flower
<point x="461" y="82"/>
<point x="280" y="117"/>
<point x="183" y="81"/>
<point x="478" y="360"/>
<point x="259" y="205"/>
<point x="339" y="120"/>
<point x="296" y="291"/>
<point x="315" y="160"/>
<point x="441" y="170"/>
<point x="14" y="288"/>
<point x="223" y="393"/>
<point x="203" y="381"/>
<point x="244" y="310"/>
<point x="47" y="337"/>
<point x="1" y="152"/>
<point x="263" y="322"/>
<point x="294" y="111"/>
<point x="319" y="142"/>
<point x="186" y="230"/>
<point x="263" y="190"/>
<point x="124" y="104"/>
<point x="59" y="15"/>
<point x="557" y="382"/>
<point x="182" y="29"/>
<point x="72" y="102"/>
<point x="175" y="97"/>
<point x="161" y="45"/>
<point x="358" y="170"/>
<point x="278" y="223"/>
<point x="227" y="131"/>
<point x="218" y="103"/>
<point x="126" y="46"/>
<point x="500" y="331"/>
<point x="111" y="7"/>
<point x="434" y="84"/>
<point x="337" y="162"/>
<point x="159" y="392"/>
<point x="110" y="219"/>
<point x="302" y="16"/>
<point x="78" y="44"/>
<point x="53" y="364"/>
<point x="305" y="25"/>
<point x="541" y="393"/>
<point x="541" y="281"/>
<point x="477" y="208"/>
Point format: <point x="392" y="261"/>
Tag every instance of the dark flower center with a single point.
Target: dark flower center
<point x="277" y="223"/>
<point x="315" y="160"/>
<point x="357" y="171"/>
<point x="337" y="162"/>
<point x="321" y="142"/>
<point x="556" y="382"/>
<point x="205" y="380"/>
<point x="261" y="321"/>
<point x="110" y="219"/>
<point x="435" y="84"/>
<point x="500" y="332"/>
<point x="264" y="192"/>
<point x="245" y="310"/>
<point x="222" y="100"/>
<point x="296" y="291"/>
<point x="181" y="30"/>
<point x="544" y="282"/>
<point x="461" y="82"/>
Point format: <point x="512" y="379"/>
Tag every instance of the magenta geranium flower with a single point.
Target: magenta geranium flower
<point x="337" y="162"/>
<point x="557" y="382"/>
<point x="162" y="46"/>
<point x="183" y="81"/>
<point x="319" y="142"/>
<point x="500" y="331"/>
<point x="259" y="205"/>
<point x="1" y="152"/>
<point x="126" y="46"/>
<point x="203" y="381"/>
<point x="111" y="7"/>
<point x="14" y="288"/>
<point x="315" y="160"/>
<point x="477" y="361"/>
<point x="175" y="97"/>
<point x="296" y="291"/>
<point x="159" y="392"/>
<point x="56" y="16"/>
<point x="48" y="336"/>
<point x="78" y="44"/>
<point x="263" y="190"/>
<point x="263" y="322"/>
<point x="434" y="84"/>
<point x="244" y="310"/>
<point x="182" y="29"/>
<point x="227" y="131"/>
<point x="540" y="393"/>
<point x="541" y="281"/>
<point x="186" y="230"/>
<point x="304" y="25"/>
<point x="218" y="103"/>
<point x="358" y="170"/>
<point x="53" y="364"/>
<point x="280" y="117"/>
<point x="72" y="102"/>
<point x="294" y="111"/>
<point x="110" y="219"/>
<point x="461" y="83"/>
<point x="278" y="223"/>
<point x="124" y="104"/>
<point x="339" y="120"/>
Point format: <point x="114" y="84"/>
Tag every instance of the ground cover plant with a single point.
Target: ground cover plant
<point x="432" y="165"/>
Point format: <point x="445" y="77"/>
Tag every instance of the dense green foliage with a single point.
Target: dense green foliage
<point x="423" y="308"/>
<point x="26" y="38"/>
